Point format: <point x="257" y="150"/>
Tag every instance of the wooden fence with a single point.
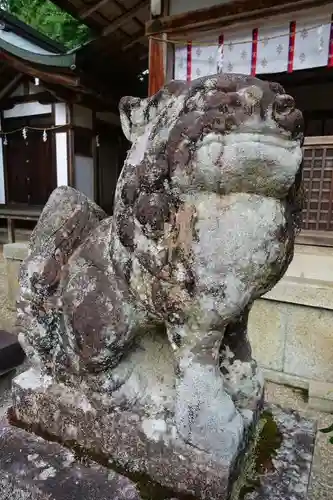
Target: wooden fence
<point x="318" y="184"/>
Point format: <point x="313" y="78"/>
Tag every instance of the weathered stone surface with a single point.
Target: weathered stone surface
<point x="14" y="254"/>
<point x="204" y="222"/>
<point x="286" y="475"/>
<point x="138" y="441"/>
<point x="267" y="333"/>
<point x="277" y="466"/>
<point x="34" y="469"/>
<point x="321" y="396"/>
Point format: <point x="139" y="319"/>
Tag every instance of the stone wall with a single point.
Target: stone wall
<point x="14" y="254"/>
<point x="291" y="328"/>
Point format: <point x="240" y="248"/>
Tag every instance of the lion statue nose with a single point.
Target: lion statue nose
<point x="287" y="116"/>
<point x="283" y="104"/>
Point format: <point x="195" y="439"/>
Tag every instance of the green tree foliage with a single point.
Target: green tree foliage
<point x="50" y="20"/>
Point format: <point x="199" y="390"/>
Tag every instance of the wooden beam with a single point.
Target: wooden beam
<point x="121" y="20"/>
<point x="10" y="86"/>
<point x="67" y="81"/>
<point x="81" y="86"/>
<point x="41" y="97"/>
<point x="227" y="14"/>
<point x="86" y="12"/>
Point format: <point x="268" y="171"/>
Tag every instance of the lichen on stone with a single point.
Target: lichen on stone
<point x="204" y="222"/>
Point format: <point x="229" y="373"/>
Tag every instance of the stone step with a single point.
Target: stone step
<point x="34" y="469"/>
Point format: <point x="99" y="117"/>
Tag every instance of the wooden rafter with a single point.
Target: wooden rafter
<point x="123" y="18"/>
<point x="90" y="10"/>
<point x="79" y="86"/>
<point x="44" y="97"/>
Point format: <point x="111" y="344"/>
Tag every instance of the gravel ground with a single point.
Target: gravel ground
<point x="322" y="473"/>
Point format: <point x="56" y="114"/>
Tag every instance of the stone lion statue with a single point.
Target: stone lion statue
<point x="204" y="221"/>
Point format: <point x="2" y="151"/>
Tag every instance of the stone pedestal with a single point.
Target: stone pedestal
<point x="141" y="443"/>
<point x="14" y="254"/>
<point x="34" y="469"/>
<point x="275" y="464"/>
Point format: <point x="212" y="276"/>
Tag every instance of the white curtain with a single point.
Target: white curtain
<point x="312" y="42"/>
<point x="273" y="49"/>
<point x="237" y="52"/>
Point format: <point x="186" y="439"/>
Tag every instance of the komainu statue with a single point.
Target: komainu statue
<point x="149" y="307"/>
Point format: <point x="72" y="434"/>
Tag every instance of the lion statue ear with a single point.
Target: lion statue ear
<point x="129" y="109"/>
<point x="135" y="113"/>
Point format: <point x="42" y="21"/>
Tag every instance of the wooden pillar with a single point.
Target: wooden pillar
<point x="156" y="66"/>
<point x="157" y="50"/>
<point x="70" y="145"/>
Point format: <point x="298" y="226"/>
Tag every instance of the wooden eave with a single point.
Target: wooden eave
<point x="114" y="25"/>
<point x="228" y="14"/>
<point x="113" y="21"/>
<point x="59" y="73"/>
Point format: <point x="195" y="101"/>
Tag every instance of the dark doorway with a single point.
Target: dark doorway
<point x="30" y="162"/>
<point x="111" y="154"/>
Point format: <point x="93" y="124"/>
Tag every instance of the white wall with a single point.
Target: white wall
<point x="61" y="144"/>
<point x="84" y="175"/>
<point x="28" y="109"/>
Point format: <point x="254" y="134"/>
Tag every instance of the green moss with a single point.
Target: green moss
<point x="270" y="441"/>
<point x="263" y="448"/>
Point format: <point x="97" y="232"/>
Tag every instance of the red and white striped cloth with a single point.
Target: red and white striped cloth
<point x="283" y="46"/>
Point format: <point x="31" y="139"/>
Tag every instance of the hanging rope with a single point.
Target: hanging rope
<point x="24" y="130"/>
<point x="38" y="129"/>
